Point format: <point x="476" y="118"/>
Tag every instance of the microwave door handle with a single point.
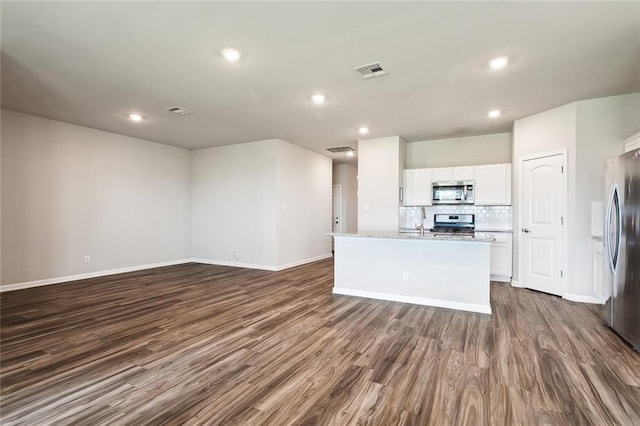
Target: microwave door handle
<point x="464" y="191"/>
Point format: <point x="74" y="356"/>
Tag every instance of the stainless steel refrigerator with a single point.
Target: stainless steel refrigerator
<point x="622" y="246"/>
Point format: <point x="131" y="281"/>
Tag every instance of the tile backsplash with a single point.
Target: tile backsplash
<point x="487" y="217"/>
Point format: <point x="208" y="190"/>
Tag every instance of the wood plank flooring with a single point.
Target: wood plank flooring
<point x="199" y="344"/>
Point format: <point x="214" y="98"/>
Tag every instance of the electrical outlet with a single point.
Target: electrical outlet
<point x="87" y="258"/>
<point x="405" y="276"/>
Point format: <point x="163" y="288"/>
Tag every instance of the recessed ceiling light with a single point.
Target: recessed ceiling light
<point x="231" y="54"/>
<point x="494" y="113"/>
<point x="350" y="153"/>
<point x="134" y="117"/>
<point x="363" y="130"/>
<point x="499" y="63"/>
<point x="318" y="98"/>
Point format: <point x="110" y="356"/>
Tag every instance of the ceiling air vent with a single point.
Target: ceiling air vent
<point x="341" y="149"/>
<point x="371" y="70"/>
<point x="179" y="110"/>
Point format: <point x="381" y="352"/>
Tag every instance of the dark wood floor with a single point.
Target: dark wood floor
<point x="200" y="344"/>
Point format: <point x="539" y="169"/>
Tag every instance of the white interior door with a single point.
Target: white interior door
<point x="543" y="195"/>
<point x="336" y="219"/>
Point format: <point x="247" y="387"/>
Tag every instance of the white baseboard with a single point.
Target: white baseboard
<point x="415" y="300"/>
<point x="500" y="278"/>
<point x="234" y="264"/>
<point x="261" y="267"/>
<point x="303" y="261"/>
<point x="58" y="280"/>
<point x="515" y="283"/>
<point x="572" y="297"/>
<point x="583" y="299"/>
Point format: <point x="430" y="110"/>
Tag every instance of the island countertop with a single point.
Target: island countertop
<point x="448" y="271"/>
<point x="415" y="236"/>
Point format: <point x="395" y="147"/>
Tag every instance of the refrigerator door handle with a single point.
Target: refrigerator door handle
<point x="607" y="226"/>
<point x="619" y="233"/>
<point x="613" y="247"/>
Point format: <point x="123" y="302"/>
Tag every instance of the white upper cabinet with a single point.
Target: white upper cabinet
<point x="417" y="187"/>
<point x="632" y="143"/>
<point x="442" y="174"/>
<point x="463" y="173"/>
<point x="493" y="185"/>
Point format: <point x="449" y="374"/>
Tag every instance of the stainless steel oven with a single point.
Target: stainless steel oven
<point x="460" y="192"/>
<point x="451" y="223"/>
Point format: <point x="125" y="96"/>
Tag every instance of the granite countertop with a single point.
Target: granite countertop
<point x="414" y="236"/>
<point x="489" y="228"/>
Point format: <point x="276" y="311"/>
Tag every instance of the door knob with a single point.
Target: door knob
<point x="526" y="230"/>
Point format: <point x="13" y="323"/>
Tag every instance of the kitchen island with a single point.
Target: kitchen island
<point x="447" y="271"/>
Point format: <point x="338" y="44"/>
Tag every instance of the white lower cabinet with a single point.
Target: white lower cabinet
<point x="501" y="255"/>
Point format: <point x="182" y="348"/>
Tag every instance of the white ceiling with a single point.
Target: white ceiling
<point x="91" y="63"/>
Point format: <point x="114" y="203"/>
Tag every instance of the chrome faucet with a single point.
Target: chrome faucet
<point x="421" y="226"/>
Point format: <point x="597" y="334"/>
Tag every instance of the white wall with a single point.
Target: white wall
<point x="548" y="131"/>
<point x="467" y="151"/>
<point x="234" y="204"/>
<point x="380" y="164"/>
<point x="602" y="125"/>
<point x="346" y="176"/>
<point x="591" y="131"/>
<point x="544" y="132"/>
<point x="304" y="205"/>
<point x="70" y="191"/>
<point x="264" y="204"/>
<point x="1" y="200"/>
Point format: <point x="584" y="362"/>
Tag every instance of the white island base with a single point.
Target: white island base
<point x="444" y="272"/>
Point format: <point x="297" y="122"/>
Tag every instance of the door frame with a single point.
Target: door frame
<point x="339" y="187"/>
<point x="564" y="244"/>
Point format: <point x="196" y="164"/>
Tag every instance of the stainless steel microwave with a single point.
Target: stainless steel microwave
<point x="459" y="192"/>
